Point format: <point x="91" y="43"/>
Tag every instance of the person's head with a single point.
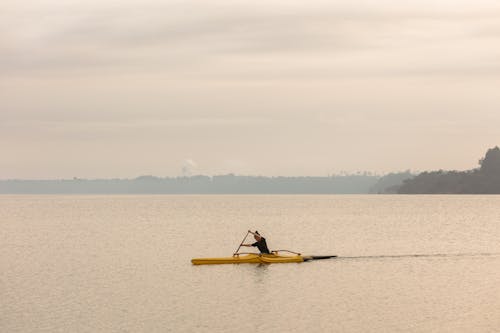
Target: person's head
<point x="257" y="236"/>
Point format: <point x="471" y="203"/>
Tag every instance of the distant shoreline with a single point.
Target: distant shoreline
<point x="483" y="180"/>
<point x="224" y="184"/>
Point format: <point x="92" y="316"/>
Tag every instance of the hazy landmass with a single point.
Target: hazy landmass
<point x="223" y="184"/>
<point x="483" y="180"/>
<point x="390" y="183"/>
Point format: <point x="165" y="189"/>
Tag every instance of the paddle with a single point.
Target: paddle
<point x="241" y="243"/>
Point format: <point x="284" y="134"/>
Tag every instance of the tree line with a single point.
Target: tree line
<point x="222" y="184"/>
<point x="483" y="180"/>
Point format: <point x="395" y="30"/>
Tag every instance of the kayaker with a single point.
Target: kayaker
<point x="260" y="242"/>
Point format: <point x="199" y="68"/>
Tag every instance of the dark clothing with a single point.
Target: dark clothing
<point x="262" y="245"/>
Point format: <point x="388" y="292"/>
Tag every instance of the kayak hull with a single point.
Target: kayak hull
<point x="248" y="259"/>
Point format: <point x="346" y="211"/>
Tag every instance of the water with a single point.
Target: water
<point x="122" y="264"/>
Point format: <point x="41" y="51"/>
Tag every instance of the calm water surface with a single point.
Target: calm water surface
<point x="122" y="264"/>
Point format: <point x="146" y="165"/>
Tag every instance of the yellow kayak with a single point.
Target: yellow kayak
<point x="256" y="258"/>
<point x="249" y="259"/>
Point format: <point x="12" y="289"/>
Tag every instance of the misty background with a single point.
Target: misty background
<point x="484" y="179"/>
<point x="106" y="89"/>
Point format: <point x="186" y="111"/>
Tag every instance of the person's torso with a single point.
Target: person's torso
<point x="262" y="246"/>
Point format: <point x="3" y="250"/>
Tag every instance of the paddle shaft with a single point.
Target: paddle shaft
<point x="242" y="242"/>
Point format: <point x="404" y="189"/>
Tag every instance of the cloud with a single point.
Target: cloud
<point x="195" y="38"/>
<point x="189" y="167"/>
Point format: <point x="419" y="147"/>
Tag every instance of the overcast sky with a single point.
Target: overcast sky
<point x="100" y="88"/>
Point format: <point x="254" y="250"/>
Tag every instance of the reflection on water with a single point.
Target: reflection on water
<point x="260" y="274"/>
<point x="122" y="263"/>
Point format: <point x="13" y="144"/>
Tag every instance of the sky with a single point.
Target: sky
<point x="118" y="89"/>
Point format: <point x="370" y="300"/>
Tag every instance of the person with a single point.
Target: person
<point x="260" y="242"/>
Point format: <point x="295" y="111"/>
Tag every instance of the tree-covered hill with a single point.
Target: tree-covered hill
<point x="483" y="180"/>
